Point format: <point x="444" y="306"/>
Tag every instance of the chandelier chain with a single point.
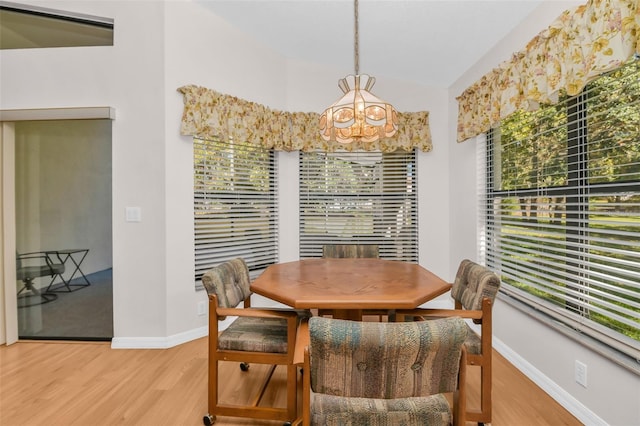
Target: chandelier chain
<point x="358" y="115"/>
<point x="356" y="37"/>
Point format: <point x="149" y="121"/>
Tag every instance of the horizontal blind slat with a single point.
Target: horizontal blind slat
<point x="235" y="205"/>
<point x="359" y="198"/>
<point x="560" y="202"/>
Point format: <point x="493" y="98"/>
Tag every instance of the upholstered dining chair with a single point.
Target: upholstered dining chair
<point x="474" y="291"/>
<point x="341" y="251"/>
<point x="30" y="266"/>
<point x="378" y="373"/>
<point x="261" y="336"/>
<point x="338" y="251"/>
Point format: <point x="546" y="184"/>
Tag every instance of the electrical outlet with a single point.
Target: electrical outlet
<point x="202" y="307"/>
<point x="581" y="373"/>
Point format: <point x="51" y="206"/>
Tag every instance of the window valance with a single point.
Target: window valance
<point x="582" y="43"/>
<point x="209" y="114"/>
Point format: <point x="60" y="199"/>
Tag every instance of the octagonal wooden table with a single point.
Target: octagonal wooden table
<point x="347" y="286"/>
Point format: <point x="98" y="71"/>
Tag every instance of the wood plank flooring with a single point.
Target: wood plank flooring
<point x="70" y="383"/>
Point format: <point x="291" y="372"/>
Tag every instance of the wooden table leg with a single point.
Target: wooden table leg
<point x="348" y="314"/>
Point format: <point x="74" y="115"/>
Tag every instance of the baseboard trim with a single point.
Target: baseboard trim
<point x="562" y="397"/>
<point x="187" y="336"/>
<point x="158" y="342"/>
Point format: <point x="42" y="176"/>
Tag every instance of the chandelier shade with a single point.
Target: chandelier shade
<point x="358" y="115"/>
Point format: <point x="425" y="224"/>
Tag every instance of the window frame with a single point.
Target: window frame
<point x="396" y="172"/>
<point x="576" y="192"/>
<point x="213" y="242"/>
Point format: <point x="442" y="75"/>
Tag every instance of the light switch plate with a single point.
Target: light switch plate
<point x="133" y="214"/>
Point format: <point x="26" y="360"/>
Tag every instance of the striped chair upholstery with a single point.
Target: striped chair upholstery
<point x="474" y="283"/>
<point x="473" y="291"/>
<point x="368" y="373"/>
<point x="340" y="251"/>
<point x="229" y="281"/>
<point x="262" y="336"/>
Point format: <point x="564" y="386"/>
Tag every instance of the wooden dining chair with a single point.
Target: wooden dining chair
<point x="474" y="291"/>
<point x="341" y="251"/>
<point x="369" y="373"/>
<point x="261" y="336"/>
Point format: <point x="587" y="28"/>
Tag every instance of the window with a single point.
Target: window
<point x="359" y="198"/>
<point x="26" y="27"/>
<point x="235" y="206"/>
<point x="562" y="209"/>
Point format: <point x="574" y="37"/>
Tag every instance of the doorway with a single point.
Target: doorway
<point x="63" y="229"/>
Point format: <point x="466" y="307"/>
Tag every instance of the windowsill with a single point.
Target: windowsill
<point x="600" y="348"/>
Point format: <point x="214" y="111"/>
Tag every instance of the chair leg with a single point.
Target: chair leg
<point x="483" y="415"/>
<point x="485" y="389"/>
<point x="212" y="393"/>
<point x="41" y="297"/>
<point x="292" y="391"/>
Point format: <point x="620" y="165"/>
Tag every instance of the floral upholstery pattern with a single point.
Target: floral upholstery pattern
<point x="208" y="114"/>
<point x="577" y="47"/>
<point x="368" y="373"/>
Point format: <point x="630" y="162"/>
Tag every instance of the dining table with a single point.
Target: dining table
<point x="348" y="286"/>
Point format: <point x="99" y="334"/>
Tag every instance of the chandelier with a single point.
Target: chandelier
<point x="358" y="115"/>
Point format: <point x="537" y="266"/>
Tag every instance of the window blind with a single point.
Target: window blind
<point x="359" y="198"/>
<point x="561" y="209"/>
<point x="235" y="206"/>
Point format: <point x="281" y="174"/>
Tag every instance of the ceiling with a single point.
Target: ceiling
<point x="428" y="42"/>
<point x="424" y="41"/>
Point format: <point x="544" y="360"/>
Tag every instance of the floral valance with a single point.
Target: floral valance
<point x="582" y="43"/>
<point x="209" y="114"/>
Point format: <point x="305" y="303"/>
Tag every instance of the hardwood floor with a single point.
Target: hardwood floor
<point x="60" y="383"/>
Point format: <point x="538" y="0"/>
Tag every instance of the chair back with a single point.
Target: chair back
<point x="385" y="360"/>
<point x="229" y="282"/>
<point x="473" y="283"/>
<point x="339" y="251"/>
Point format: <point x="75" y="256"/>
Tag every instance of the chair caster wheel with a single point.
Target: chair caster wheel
<point x="286" y="424"/>
<point x="208" y="420"/>
<point x="244" y="366"/>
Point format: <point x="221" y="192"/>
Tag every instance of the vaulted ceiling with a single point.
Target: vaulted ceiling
<point x="430" y="42"/>
<point x="425" y="41"/>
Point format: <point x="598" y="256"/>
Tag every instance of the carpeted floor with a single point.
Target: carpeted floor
<point x="83" y="314"/>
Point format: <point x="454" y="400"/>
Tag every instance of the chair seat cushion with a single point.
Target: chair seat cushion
<point x="27" y="272"/>
<point x="333" y="410"/>
<point x="257" y="334"/>
<point x="472" y="343"/>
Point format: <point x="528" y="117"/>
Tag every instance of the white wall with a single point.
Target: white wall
<point x="204" y="50"/>
<point x="128" y="76"/>
<point x="545" y="355"/>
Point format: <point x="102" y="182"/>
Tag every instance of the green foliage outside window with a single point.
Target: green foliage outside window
<point x="563" y="202"/>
